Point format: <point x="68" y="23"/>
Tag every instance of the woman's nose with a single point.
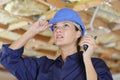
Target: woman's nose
<point x="58" y="29"/>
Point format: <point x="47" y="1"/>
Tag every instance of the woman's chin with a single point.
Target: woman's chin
<point x="59" y="44"/>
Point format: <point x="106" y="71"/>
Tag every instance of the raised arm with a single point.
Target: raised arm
<point x="36" y="28"/>
<point x="10" y="57"/>
<point x="90" y="70"/>
<point x="96" y="69"/>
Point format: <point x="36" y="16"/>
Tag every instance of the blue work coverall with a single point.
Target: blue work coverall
<point x="47" y="69"/>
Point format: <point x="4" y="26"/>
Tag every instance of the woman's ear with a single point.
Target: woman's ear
<point x="78" y="34"/>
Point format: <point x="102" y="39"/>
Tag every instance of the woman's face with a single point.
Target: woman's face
<point x="65" y="34"/>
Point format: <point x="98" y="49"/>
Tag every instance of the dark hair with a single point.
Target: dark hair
<point x="77" y="43"/>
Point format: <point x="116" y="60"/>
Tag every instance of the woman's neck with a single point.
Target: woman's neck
<point x="67" y="50"/>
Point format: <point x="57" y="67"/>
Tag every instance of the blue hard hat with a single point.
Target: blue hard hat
<point x="67" y="14"/>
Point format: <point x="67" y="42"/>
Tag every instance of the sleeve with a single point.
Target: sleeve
<point x="102" y="69"/>
<point x="22" y="68"/>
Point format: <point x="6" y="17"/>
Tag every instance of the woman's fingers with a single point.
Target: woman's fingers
<point x="90" y="41"/>
<point x="40" y="26"/>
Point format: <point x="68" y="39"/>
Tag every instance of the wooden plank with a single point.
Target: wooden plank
<point x="37" y="44"/>
<point x="17" y="25"/>
<point x="41" y="37"/>
<point x="9" y="35"/>
<point x="108" y="52"/>
<point x="56" y="3"/>
<point x="81" y="5"/>
<point x="2" y="68"/>
<point x="47" y="52"/>
<point x="3" y="26"/>
<point x="86" y="17"/>
<point x="2" y="2"/>
<point x="5" y="40"/>
<point x="6" y="76"/>
<point x="27" y="19"/>
<point x="15" y="34"/>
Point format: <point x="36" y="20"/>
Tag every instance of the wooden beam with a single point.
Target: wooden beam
<point x="117" y="45"/>
<point x="29" y="52"/>
<point x="43" y="2"/>
<point x="6" y="76"/>
<point x="2" y="2"/>
<point x="9" y="35"/>
<point x="86" y="17"/>
<point x="108" y="52"/>
<point x="2" y="69"/>
<point x="116" y="32"/>
<point x="18" y="25"/>
<point x="41" y="37"/>
<point x="5" y="40"/>
<point x="37" y="37"/>
<point x="81" y="5"/>
<point x="113" y="62"/>
<point x="48" y="15"/>
<point x="27" y="19"/>
<point x="113" y="65"/>
<point x="3" y="26"/>
<point x="107" y="38"/>
<point x="47" y="52"/>
<point x="56" y="3"/>
<point x="19" y="31"/>
<point x="37" y="44"/>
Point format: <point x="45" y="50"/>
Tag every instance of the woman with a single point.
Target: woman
<point x="72" y="64"/>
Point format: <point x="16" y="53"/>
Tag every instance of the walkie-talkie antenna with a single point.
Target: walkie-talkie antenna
<point x="85" y="46"/>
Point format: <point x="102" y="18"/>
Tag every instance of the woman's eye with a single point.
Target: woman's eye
<point x="54" y="27"/>
<point x="66" y="25"/>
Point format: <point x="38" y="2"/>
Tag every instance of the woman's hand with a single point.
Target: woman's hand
<point x="39" y="26"/>
<point x="90" y="70"/>
<point x="36" y="28"/>
<point x="90" y="41"/>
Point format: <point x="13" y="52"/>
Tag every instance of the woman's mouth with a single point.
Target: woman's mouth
<point x="59" y="37"/>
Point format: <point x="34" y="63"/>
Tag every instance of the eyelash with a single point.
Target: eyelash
<point x="66" y="25"/>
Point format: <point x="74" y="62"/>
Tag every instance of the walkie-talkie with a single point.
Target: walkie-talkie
<point x="85" y="46"/>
